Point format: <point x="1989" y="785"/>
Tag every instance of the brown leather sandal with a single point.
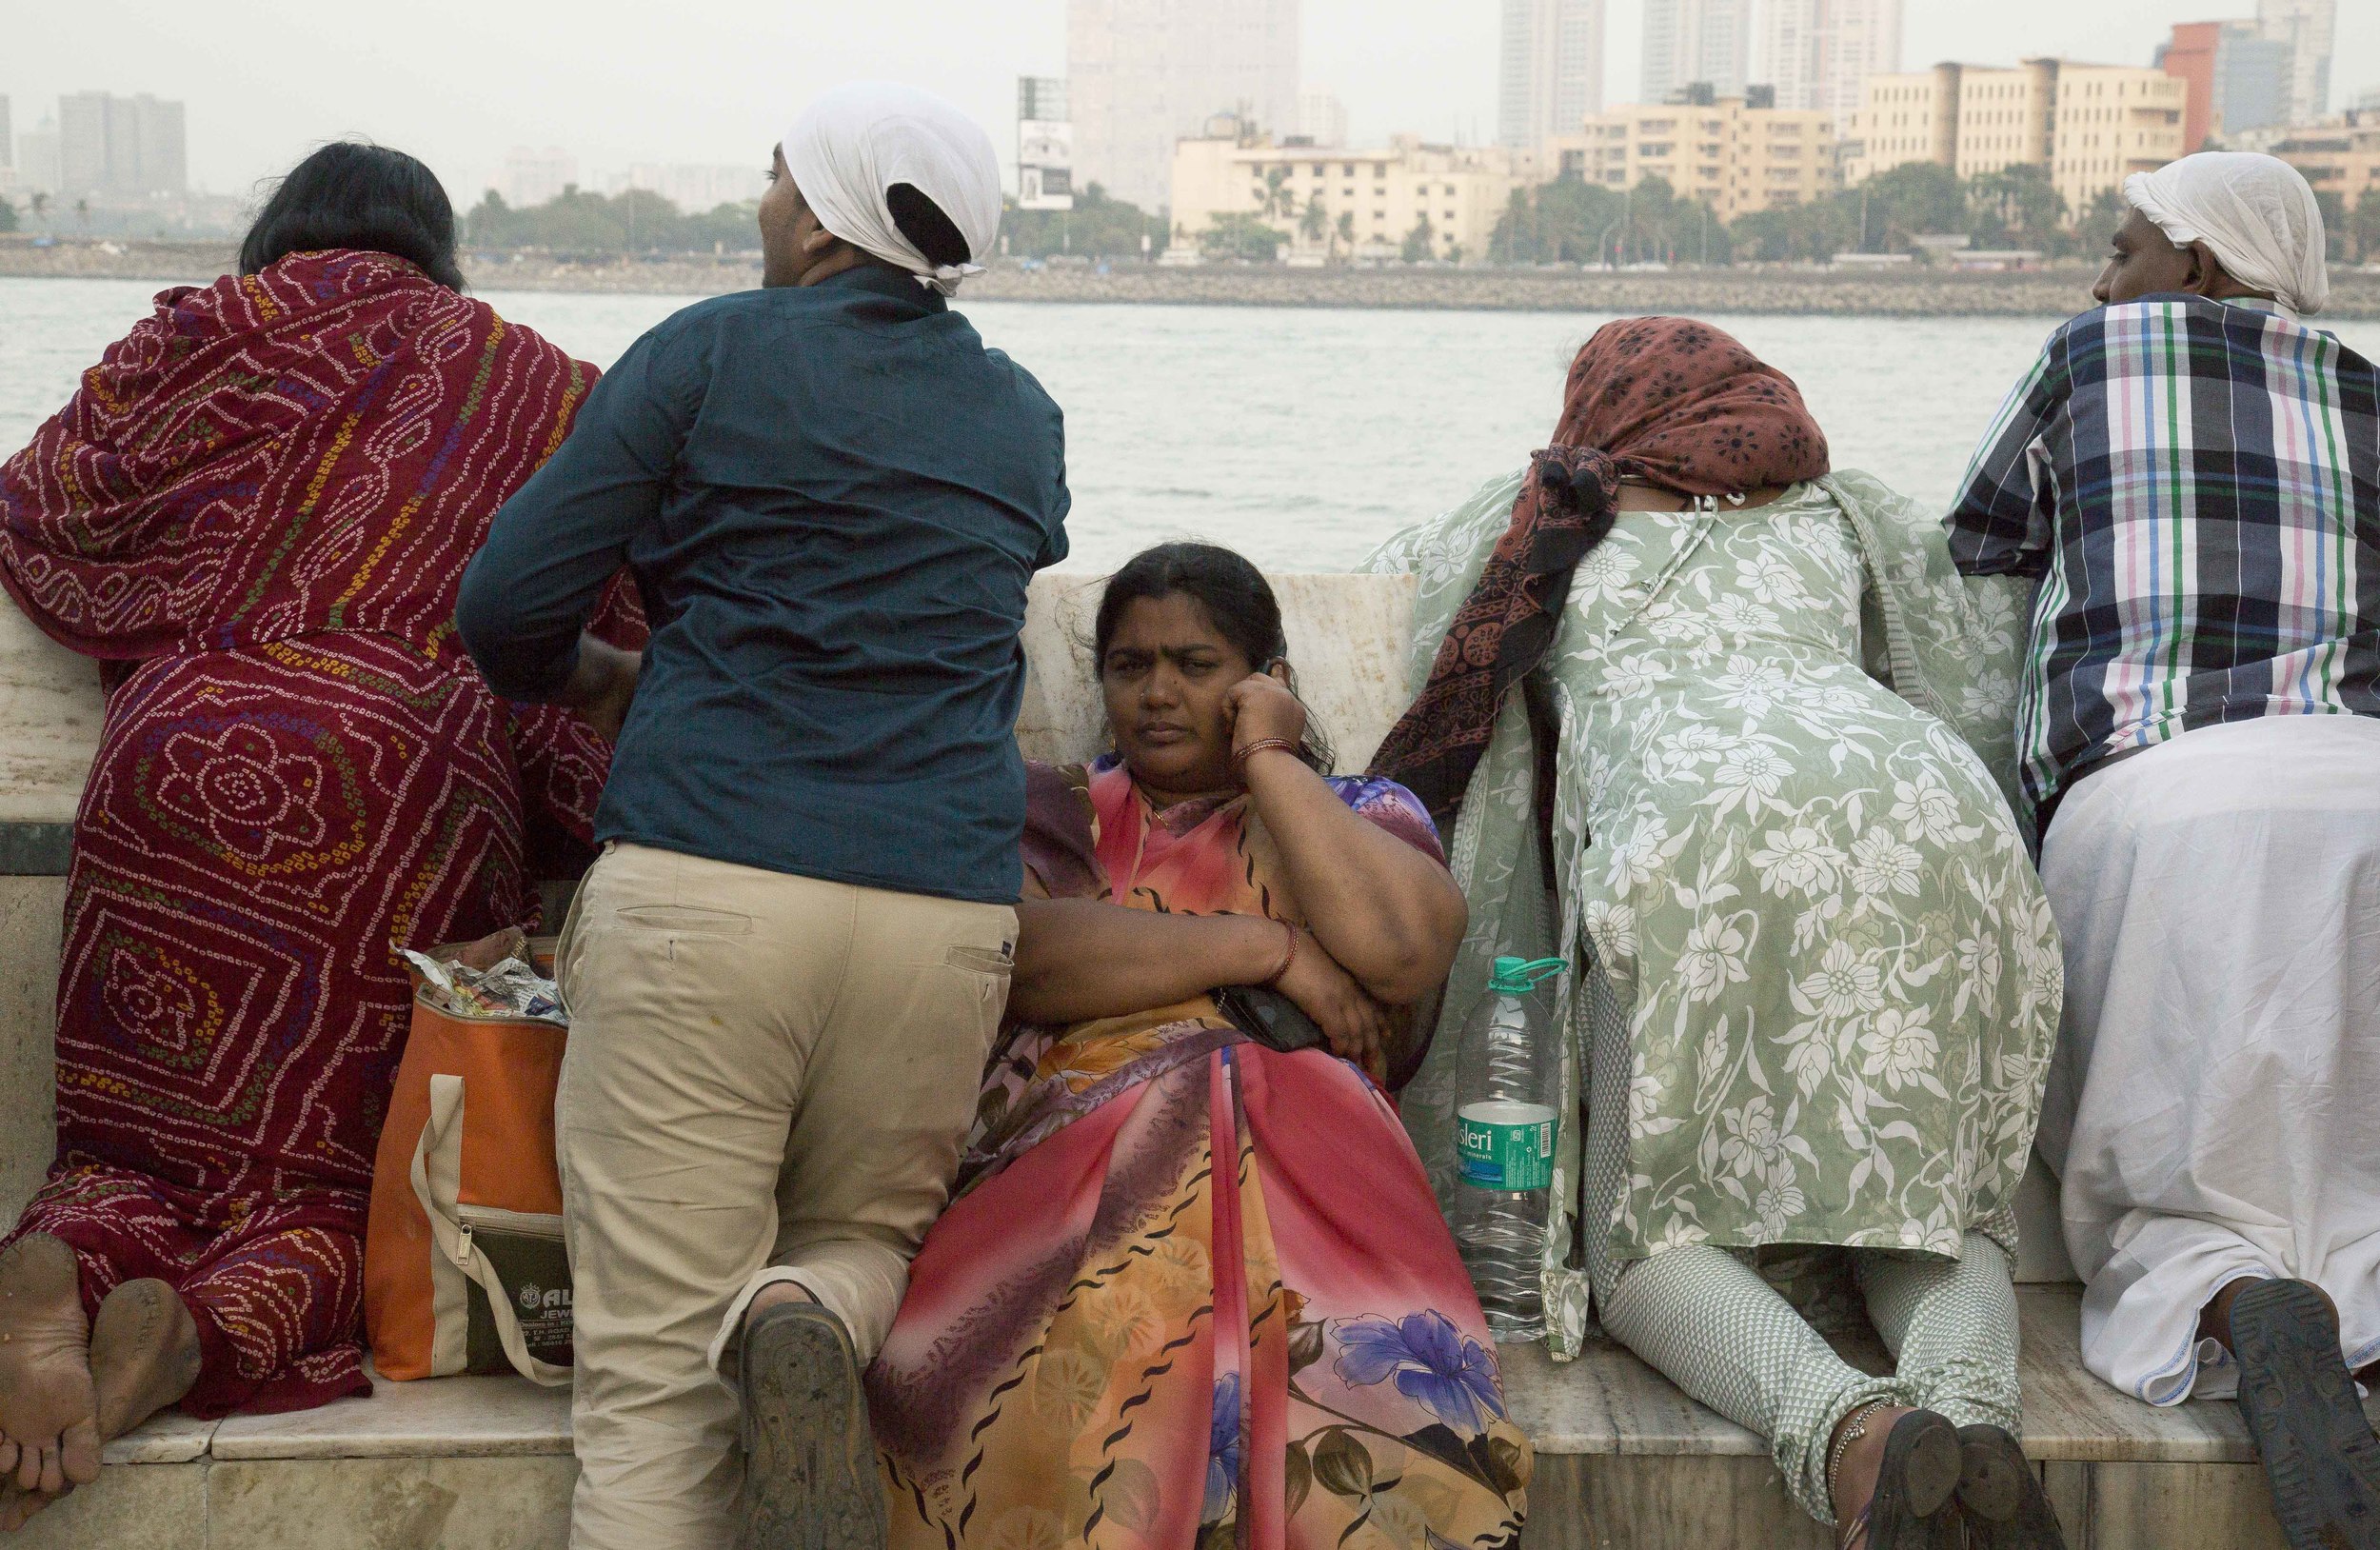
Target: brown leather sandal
<point x="1914" y="1505"/>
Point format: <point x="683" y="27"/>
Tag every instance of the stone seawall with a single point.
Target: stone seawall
<point x="1905" y="293"/>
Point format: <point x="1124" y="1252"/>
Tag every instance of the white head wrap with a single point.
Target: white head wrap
<point x="2255" y="214"/>
<point x="856" y="141"/>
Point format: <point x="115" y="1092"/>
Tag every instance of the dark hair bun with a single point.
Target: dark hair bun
<point x="353" y="195"/>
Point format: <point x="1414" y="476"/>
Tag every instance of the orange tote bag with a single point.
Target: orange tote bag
<point x="464" y="1268"/>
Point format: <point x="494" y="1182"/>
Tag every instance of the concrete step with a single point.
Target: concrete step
<point x="1624" y="1463"/>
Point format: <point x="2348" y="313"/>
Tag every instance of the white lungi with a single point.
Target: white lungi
<point x="2213" y="1112"/>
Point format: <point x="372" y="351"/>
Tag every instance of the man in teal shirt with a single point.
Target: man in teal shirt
<point x="786" y="969"/>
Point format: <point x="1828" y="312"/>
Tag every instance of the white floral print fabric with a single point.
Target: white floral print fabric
<point x="1806" y="899"/>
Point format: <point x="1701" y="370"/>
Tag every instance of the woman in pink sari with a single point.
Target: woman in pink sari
<point x="1096" y="1338"/>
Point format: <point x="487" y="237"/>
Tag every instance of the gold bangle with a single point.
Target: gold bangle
<point x="1240" y="757"/>
<point x="1288" y="956"/>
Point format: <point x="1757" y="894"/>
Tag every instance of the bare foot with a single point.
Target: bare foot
<point x="144" y="1357"/>
<point x="144" y="1354"/>
<point x="17" y="1507"/>
<point x="48" y="1409"/>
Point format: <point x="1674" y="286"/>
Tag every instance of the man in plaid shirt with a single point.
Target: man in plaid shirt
<point x="2194" y="473"/>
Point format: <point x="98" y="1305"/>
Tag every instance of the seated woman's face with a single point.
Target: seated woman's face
<point x="1165" y="676"/>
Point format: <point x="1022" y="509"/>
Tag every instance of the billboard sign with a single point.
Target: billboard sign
<point x="1045" y="163"/>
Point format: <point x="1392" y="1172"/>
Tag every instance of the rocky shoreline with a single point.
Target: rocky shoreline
<point x="1915" y="293"/>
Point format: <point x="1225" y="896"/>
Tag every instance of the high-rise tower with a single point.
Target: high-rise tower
<point x="1691" y="41"/>
<point x="1551" y="74"/>
<point x="1141" y="74"/>
<point x="2308" y="26"/>
<point x="1819" y="51"/>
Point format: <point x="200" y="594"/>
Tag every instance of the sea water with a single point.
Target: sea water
<point x="1299" y="436"/>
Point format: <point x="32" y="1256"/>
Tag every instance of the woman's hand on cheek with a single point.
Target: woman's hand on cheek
<point x="1261" y="706"/>
<point x="1357" y="1026"/>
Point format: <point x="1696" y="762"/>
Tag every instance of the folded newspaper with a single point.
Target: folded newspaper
<point x="507" y="988"/>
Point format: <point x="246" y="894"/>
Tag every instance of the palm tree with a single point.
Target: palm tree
<point x="1316" y="223"/>
<point x="40" y="209"/>
<point x="1346" y="231"/>
<point x="81" y="213"/>
<point x="1276" y="199"/>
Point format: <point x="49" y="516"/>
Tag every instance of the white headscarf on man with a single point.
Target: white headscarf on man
<point x="2257" y="214"/>
<point x="856" y="142"/>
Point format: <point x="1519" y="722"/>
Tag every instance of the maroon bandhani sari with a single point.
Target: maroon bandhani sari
<point x="255" y="511"/>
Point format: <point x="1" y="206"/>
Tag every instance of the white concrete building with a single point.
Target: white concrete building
<point x="1347" y="203"/>
<point x="1818" y="53"/>
<point x="535" y="177"/>
<point x="120" y="147"/>
<point x="693" y="188"/>
<point x="36" y="171"/>
<point x="1143" y="73"/>
<point x="2309" y="27"/>
<point x="1551" y="75"/>
<point x="1321" y="118"/>
<point x="1690" y="41"/>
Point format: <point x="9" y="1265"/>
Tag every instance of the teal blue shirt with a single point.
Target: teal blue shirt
<point x="832" y="498"/>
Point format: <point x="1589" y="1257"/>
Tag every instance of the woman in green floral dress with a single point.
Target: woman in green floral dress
<point x="1819" y="982"/>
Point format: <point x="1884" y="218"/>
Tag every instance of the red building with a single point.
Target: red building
<point x="2190" y="55"/>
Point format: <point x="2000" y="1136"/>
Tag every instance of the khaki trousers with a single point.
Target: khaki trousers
<point x="768" y="1079"/>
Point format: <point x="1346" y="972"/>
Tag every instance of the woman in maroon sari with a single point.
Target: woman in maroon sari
<point x="254" y="512"/>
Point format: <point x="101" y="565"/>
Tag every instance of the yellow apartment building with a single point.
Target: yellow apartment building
<point x="2112" y="121"/>
<point x="1727" y="155"/>
<point x="1904" y="119"/>
<point x="1462" y="190"/>
<point x="2005" y="117"/>
<point x="2341" y="158"/>
<point x="2090" y="126"/>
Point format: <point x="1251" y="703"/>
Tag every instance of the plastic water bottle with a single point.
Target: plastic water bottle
<point x="1509" y="1072"/>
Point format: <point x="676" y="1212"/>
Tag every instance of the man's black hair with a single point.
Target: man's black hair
<point x="922" y="222"/>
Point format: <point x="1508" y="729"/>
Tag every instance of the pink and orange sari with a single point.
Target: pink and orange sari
<point x="1100" y="1345"/>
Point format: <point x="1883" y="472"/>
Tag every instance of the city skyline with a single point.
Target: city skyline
<point x="620" y="92"/>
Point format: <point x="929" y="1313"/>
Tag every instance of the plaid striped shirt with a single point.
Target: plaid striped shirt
<point x="2197" y="485"/>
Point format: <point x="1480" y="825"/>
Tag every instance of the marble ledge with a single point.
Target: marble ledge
<point x="170" y="1438"/>
<point x="2071" y="1415"/>
<point x="1608" y="1401"/>
<point x="447" y="1417"/>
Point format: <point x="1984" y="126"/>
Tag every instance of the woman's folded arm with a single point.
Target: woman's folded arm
<point x="1078" y="959"/>
<point x="1391" y="915"/>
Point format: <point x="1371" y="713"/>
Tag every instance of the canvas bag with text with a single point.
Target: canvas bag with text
<point x="464" y="1268"/>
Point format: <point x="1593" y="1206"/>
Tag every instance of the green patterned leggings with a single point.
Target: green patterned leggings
<point x="1709" y="1322"/>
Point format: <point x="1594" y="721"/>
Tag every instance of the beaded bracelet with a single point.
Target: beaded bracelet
<point x="1240" y="757"/>
<point x="1288" y="956"/>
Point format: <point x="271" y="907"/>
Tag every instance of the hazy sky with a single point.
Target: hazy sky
<point x="458" y="82"/>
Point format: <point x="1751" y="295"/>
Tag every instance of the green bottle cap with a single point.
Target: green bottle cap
<point x="1518" y="976"/>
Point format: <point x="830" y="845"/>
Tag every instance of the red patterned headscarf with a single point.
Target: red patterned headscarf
<point x="316" y="446"/>
<point x="1670" y="401"/>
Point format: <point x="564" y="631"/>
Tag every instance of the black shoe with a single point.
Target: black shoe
<point x="2005" y="1505"/>
<point x="2299" y="1402"/>
<point x="1911" y="1508"/>
<point x="809" y="1466"/>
